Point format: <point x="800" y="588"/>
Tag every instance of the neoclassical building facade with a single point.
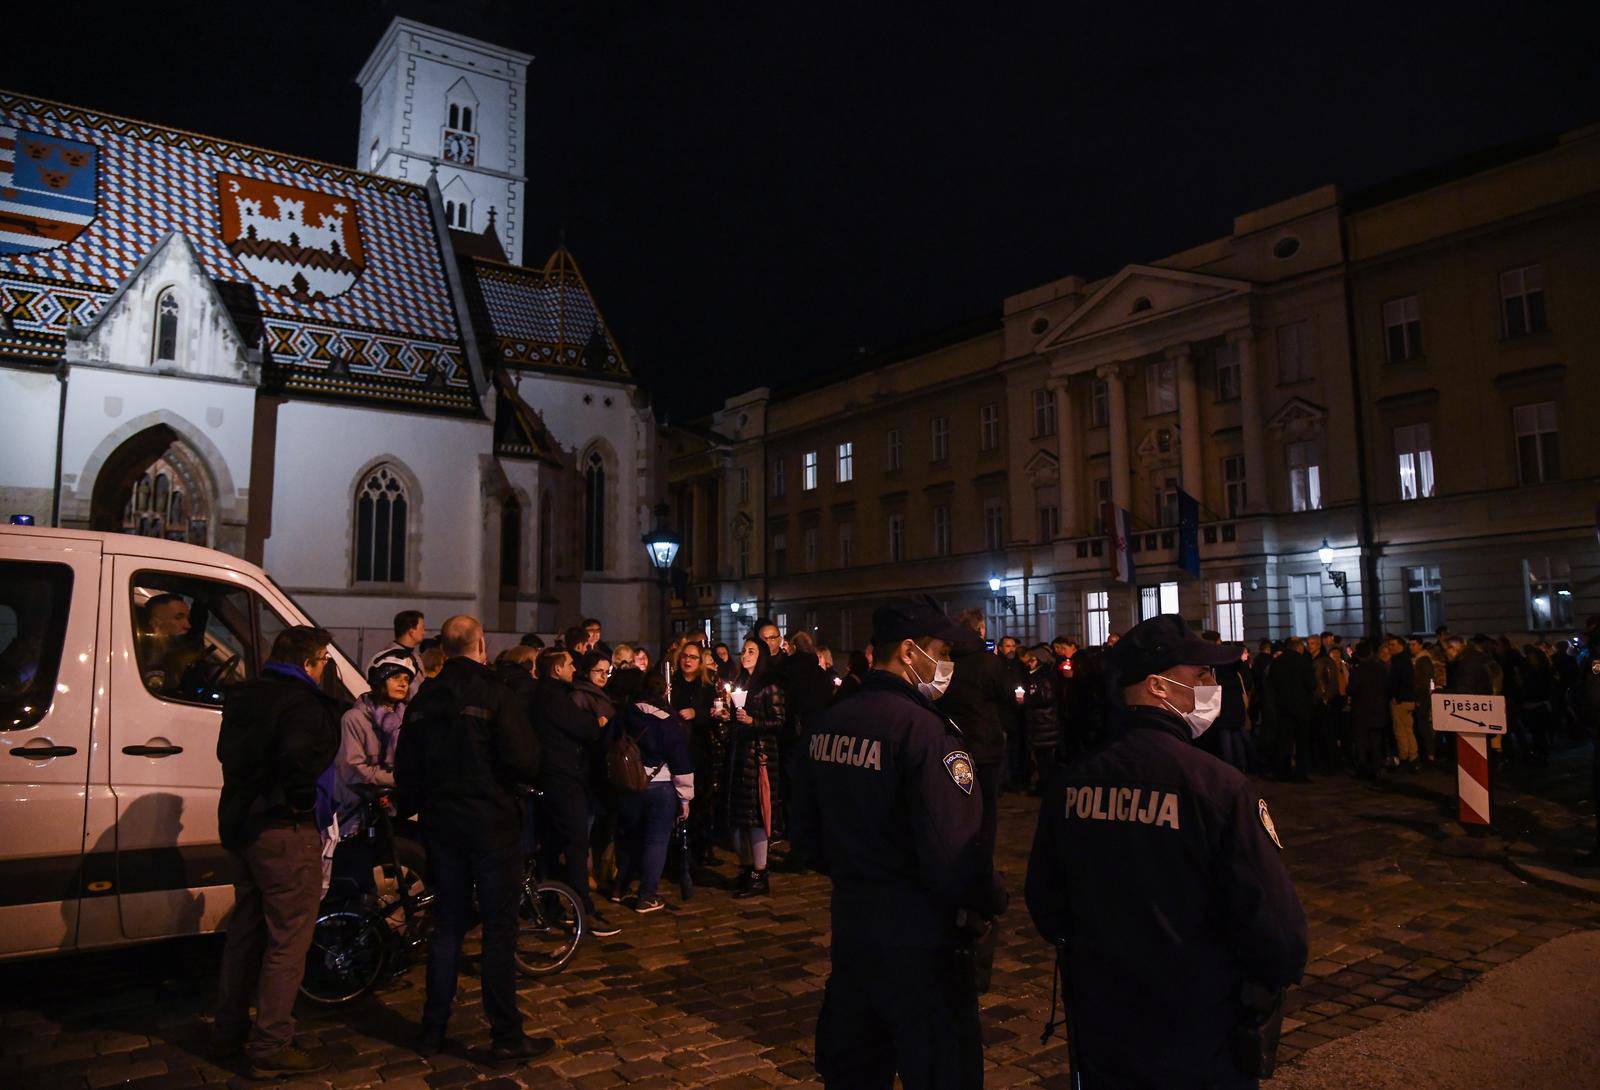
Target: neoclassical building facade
<point x="1367" y="395"/>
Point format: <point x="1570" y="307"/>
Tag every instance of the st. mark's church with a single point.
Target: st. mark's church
<point x="346" y="375"/>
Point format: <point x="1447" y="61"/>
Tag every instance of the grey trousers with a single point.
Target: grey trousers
<point x="277" y="888"/>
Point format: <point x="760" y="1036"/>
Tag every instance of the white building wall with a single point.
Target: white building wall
<point x="321" y="455"/>
<point x="29" y="402"/>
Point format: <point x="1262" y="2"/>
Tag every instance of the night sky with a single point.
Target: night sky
<point x="758" y="191"/>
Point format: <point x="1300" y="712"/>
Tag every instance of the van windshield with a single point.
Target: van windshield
<point x="34" y="602"/>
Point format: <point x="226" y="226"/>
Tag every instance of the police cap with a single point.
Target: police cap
<point x="913" y="618"/>
<point x="1160" y="643"/>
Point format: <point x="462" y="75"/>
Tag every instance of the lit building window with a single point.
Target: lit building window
<point x="1230" y="611"/>
<point x="1413" y="453"/>
<point x="1097" y="617"/>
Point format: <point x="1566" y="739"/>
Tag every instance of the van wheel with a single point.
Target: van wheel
<point x="346" y="958"/>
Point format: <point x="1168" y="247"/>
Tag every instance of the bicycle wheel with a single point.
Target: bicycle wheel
<point x="348" y="949"/>
<point x="550" y="927"/>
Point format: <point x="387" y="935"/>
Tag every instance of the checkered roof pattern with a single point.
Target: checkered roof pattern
<point x="546" y="318"/>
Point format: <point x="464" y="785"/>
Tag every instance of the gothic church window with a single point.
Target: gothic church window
<point x="166" y="340"/>
<point x="511" y="543"/>
<point x="594" y="513"/>
<point x="381" y="512"/>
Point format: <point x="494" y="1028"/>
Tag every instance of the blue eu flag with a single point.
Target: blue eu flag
<point x="1188" y="533"/>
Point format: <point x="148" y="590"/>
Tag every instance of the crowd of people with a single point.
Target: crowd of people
<point x="584" y="759"/>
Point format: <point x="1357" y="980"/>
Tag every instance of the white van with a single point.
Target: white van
<point x="115" y="651"/>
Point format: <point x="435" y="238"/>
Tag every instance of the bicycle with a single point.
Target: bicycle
<point x="362" y="937"/>
<point x="551" y="923"/>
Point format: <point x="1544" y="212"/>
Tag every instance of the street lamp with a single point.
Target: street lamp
<point x="735" y="607"/>
<point x="1325" y="556"/>
<point x="661" y="544"/>
<point x="994" y="583"/>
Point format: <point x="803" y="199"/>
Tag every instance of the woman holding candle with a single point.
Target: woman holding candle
<point x="752" y="802"/>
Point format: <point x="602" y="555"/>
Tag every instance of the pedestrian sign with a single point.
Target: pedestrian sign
<point x="1468" y="713"/>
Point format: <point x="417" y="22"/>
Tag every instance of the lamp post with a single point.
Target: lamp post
<point x="661" y="544"/>
<point x="1325" y="556"/>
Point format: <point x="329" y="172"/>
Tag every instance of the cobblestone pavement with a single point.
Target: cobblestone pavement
<point x="724" y="994"/>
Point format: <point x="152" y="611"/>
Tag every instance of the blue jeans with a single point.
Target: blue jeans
<point x="647" y="820"/>
<point x="456" y="870"/>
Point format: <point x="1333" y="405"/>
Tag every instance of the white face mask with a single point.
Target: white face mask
<point x="942" y="672"/>
<point x="1207" y="706"/>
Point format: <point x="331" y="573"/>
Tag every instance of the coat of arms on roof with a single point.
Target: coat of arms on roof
<point x="48" y="190"/>
<point x="300" y="243"/>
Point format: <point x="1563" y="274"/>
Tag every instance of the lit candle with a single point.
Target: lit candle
<point x="738" y="696"/>
<point x="838" y="681"/>
<point x="1018" y="691"/>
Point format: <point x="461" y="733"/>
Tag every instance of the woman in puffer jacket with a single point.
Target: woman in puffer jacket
<point x="1040" y="708"/>
<point x="752" y="802"/>
<point x="646" y="818"/>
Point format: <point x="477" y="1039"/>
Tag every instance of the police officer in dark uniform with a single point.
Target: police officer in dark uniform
<point x="1156" y="870"/>
<point x="1589" y="706"/>
<point x="886" y="802"/>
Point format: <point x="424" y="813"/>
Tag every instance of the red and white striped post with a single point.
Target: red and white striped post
<point x="1472" y="777"/>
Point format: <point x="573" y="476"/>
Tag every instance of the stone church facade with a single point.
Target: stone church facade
<point x="346" y="375"/>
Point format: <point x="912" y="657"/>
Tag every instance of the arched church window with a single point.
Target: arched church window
<point x="594" y="513"/>
<point x="166" y="347"/>
<point x="547" y="525"/>
<point x="450" y="213"/>
<point x="381" y="511"/>
<point x="455" y="116"/>
<point x="511" y="543"/>
<point x="466" y="119"/>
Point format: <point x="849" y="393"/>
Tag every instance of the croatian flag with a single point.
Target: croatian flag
<point x="1119" y="533"/>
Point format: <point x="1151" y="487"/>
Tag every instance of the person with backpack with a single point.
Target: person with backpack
<point x="651" y="772"/>
<point x="279" y="733"/>
<point x="464" y="756"/>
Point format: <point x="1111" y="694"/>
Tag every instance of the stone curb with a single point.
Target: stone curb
<point x="1581" y="881"/>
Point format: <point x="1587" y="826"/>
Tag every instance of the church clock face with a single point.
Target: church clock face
<point x="460" y="148"/>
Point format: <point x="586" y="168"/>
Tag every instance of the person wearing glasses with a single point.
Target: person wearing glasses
<point x="1157" y="872"/>
<point x="279" y="733"/>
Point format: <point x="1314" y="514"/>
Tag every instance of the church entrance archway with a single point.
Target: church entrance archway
<point x="156" y="485"/>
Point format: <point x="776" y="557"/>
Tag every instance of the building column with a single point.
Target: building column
<point x="1067" y="456"/>
<point x="1191" y="445"/>
<point x="1254" y="424"/>
<point x="1117" y="417"/>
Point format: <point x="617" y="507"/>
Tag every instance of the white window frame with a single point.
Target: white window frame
<point x="1296" y="352"/>
<point x="1404" y="314"/>
<point x="1044" y="412"/>
<point x="1044" y="606"/>
<point x="808" y="471"/>
<point x="1160" y="387"/>
<point x="897" y="537"/>
<point x="1537" y="421"/>
<point x="847" y="544"/>
<point x="1305" y="475"/>
<point x="1424" y="595"/>
<point x="1518" y="287"/>
<point x="1548" y="579"/>
<point x="1235" y="493"/>
<point x="1413" y="456"/>
<point x="1227" y="373"/>
<point x="1157" y="598"/>
<point x="1305" y="604"/>
<point x="941" y="530"/>
<point x="1096" y="617"/>
<point x="994" y="524"/>
<point x="939" y="430"/>
<point x="1166" y="501"/>
<point x="1049" y="522"/>
<point x="1228" y="609"/>
<point x="845" y="461"/>
<point x="989" y="426"/>
<point x="894" y="450"/>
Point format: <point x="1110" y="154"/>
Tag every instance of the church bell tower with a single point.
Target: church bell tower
<point x="434" y="102"/>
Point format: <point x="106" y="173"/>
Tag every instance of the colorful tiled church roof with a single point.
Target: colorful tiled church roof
<point x="544" y="319"/>
<point x="342" y="272"/>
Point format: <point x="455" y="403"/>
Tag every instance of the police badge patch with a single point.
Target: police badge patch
<point x="959" y="765"/>
<point x="1266" y="822"/>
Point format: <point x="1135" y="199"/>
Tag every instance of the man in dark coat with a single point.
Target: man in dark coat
<point x="981" y="693"/>
<point x="1156" y="871"/>
<point x="278" y="734"/>
<point x="1294" y="691"/>
<point x="1368" y="692"/>
<point x="466" y="752"/>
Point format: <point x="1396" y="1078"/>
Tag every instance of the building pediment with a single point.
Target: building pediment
<point x="169" y="318"/>
<point x="1138" y="295"/>
<point x="1297" y="416"/>
<point x="1043" y="468"/>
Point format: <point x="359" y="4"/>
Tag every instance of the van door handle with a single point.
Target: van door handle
<point x="43" y="753"/>
<point x="151" y="751"/>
